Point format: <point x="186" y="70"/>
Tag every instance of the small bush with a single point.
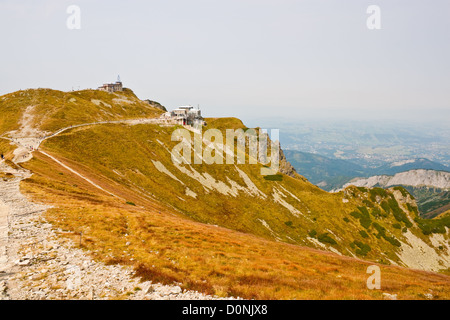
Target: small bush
<point x="376" y="212"/>
<point x="393" y="241"/>
<point x="374" y="192"/>
<point x="363" y="248"/>
<point x="382" y="234"/>
<point x="355" y="214"/>
<point x="412" y="209"/>
<point x="402" y="190"/>
<point x="429" y="226"/>
<point x="398" y="213"/>
<point x="312" y="233"/>
<point x="385" y="206"/>
<point x="274" y="177"/>
<point x="363" y="210"/>
<point x="363" y="234"/>
<point x="368" y="203"/>
<point x="325" y="238"/>
<point x="364" y="217"/>
<point x="289" y="224"/>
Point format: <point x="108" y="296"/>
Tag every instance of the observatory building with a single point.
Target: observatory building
<point x="112" y="87"/>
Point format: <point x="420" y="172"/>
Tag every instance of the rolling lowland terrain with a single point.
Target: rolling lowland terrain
<point x="100" y="163"/>
<point x="427" y="181"/>
<point x="330" y="173"/>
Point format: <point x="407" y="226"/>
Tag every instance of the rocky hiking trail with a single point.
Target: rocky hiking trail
<point x="36" y="263"/>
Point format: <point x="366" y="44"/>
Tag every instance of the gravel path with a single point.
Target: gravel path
<point x="37" y="263"/>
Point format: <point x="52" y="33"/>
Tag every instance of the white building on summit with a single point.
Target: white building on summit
<point x="112" y="87"/>
<point x="185" y="115"/>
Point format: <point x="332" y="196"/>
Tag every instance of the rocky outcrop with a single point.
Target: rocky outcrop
<point x="287" y="168"/>
<point x="415" y="178"/>
<point x="155" y="104"/>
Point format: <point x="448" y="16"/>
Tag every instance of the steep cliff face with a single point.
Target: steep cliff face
<point x="287" y="168"/>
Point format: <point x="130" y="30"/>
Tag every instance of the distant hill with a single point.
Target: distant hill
<point x="413" y="164"/>
<point x="414" y="178"/>
<point x="325" y="172"/>
<point x="431" y="188"/>
<point x="426" y="180"/>
<point x="329" y="174"/>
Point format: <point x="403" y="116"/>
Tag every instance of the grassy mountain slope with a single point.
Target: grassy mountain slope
<point x="227" y="229"/>
<point x="357" y="222"/>
<point x="53" y="109"/>
<point x="430" y="201"/>
<point x="165" y="246"/>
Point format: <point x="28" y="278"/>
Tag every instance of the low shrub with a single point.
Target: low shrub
<point x="363" y="248"/>
<point x="429" y="226"/>
<point x="289" y="224"/>
<point x="363" y="234"/>
<point x="382" y="234"/>
<point x="374" y="192"/>
<point x="385" y="206"/>
<point x="325" y="238"/>
<point x="398" y="213"/>
<point x="274" y="177"/>
<point x="312" y="233"/>
<point x="363" y="216"/>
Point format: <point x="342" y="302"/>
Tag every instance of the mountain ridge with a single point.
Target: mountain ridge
<point x="132" y="160"/>
<point x="431" y="188"/>
<point x="415" y="178"/>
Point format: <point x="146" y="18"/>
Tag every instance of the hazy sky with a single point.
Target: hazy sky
<point x="241" y="58"/>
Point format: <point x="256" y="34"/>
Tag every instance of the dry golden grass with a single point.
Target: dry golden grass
<point x="122" y="155"/>
<point x="55" y="109"/>
<point x="6" y="149"/>
<point x="152" y="230"/>
<point x="164" y="246"/>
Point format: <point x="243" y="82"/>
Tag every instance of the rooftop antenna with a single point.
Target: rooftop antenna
<point x="118" y="78"/>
